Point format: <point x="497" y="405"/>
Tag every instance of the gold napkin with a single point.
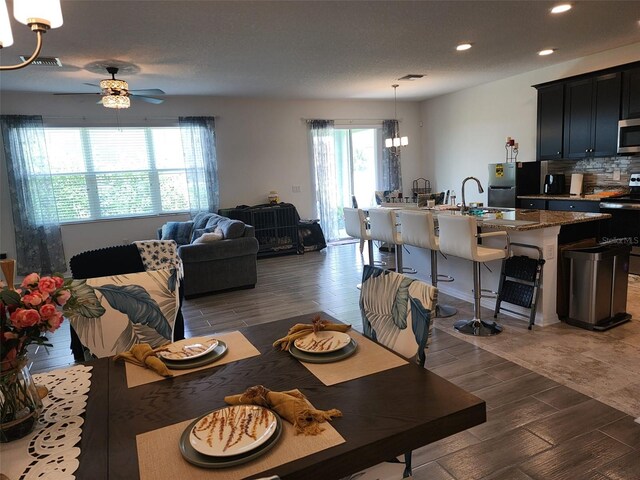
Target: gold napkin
<point x="301" y="329"/>
<point x="291" y="405"/>
<point x="144" y="356"/>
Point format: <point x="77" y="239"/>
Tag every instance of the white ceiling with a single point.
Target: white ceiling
<point x="312" y="49"/>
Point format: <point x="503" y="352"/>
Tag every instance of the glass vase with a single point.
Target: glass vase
<point x="20" y="404"/>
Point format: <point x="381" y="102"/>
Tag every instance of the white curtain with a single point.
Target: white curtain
<point x="324" y="165"/>
<point x="199" y="146"/>
<point x="35" y="216"/>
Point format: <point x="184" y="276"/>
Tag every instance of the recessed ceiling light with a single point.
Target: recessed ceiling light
<point x="548" y="51"/>
<point x="564" y="7"/>
<point x="463" y="46"/>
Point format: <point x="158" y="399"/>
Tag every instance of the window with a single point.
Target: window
<point x="103" y="173"/>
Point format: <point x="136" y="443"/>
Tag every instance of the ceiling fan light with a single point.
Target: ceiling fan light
<point x="6" y="37"/>
<point x="116" y="101"/>
<point x="110" y="84"/>
<point x="47" y="12"/>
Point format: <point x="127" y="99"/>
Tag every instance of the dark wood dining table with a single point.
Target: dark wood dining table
<point x="384" y="414"/>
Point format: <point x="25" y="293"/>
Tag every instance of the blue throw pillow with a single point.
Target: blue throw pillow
<point x="180" y="232"/>
<point x="213" y="221"/>
<point x="231" y="228"/>
<point x="201" y="218"/>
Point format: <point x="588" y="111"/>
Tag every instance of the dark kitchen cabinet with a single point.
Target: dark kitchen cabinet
<point x="574" y="206"/>
<point x="550" y="122"/>
<point x="631" y="94"/>
<point x="532" y="203"/>
<point x="591" y="114"/>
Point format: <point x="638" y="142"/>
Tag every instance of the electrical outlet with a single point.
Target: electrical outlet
<point x="295" y="188"/>
<point x="550" y="252"/>
<point x="616" y="174"/>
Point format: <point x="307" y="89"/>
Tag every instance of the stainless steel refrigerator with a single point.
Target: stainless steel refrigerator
<point x="507" y="181"/>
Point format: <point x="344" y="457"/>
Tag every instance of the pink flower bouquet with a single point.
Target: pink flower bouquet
<point x="29" y="312"/>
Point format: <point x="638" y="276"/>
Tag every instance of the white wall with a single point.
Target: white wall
<point x="262" y="146"/>
<point x="466" y="130"/>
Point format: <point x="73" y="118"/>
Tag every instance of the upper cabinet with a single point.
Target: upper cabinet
<point x="578" y="116"/>
<point x="631" y="94"/>
<point x="592" y="111"/>
<point x="550" y="121"/>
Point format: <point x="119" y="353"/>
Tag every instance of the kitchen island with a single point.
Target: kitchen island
<point x="540" y="228"/>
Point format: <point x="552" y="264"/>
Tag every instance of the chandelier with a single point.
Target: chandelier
<point x="39" y="15"/>
<point x="396" y="140"/>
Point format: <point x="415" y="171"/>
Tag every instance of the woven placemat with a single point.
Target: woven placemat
<point x="238" y="348"/>
<point x="159" y="453"/>
<point x="369" y="358"/>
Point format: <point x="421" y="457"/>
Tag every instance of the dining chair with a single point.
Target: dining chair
<point x="396" y="312"/>
<point x="110" y="261"/>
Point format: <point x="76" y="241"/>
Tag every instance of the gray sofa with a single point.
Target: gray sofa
<point x="209" y="267"/>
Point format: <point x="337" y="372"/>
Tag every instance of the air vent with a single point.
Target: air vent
<point x="44" y="61"/>
<point x="412" y="76"/>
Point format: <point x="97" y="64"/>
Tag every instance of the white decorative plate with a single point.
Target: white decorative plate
<point x="189" y="348"/>
<point x="324" y="341"/>
<point x="233" y="430"/>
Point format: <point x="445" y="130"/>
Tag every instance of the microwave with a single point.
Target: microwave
<point x="629" y="136"/>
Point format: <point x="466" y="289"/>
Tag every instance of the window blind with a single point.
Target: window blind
<point x="103" y="173"/>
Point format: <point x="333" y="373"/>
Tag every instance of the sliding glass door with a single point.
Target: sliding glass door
<point x="357" y="166"/>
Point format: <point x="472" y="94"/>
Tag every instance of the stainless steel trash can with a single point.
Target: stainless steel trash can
<point x="598" y="279"/>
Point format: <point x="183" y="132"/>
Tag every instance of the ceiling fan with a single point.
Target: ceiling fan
<point x="116" y="94"/>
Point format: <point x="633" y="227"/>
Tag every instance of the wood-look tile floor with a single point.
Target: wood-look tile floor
<point x="539" y="426"/>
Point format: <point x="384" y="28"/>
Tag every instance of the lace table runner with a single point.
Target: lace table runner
<point x="51" y="450"/>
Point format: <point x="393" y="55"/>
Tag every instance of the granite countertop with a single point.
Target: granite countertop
<point x="523" y="219"/>
<point x="594" y="197"/>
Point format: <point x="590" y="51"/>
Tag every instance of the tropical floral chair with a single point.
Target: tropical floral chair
<point x="396" y="311"/>
<point x="122" y="310"/>
<point x="115" y="261"/>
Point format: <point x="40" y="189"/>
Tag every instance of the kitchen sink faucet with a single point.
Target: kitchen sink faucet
<point x="480" y="190"/>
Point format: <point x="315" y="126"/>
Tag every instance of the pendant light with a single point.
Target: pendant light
<point x="396" y="140"/>
<point x="38" y="15"/>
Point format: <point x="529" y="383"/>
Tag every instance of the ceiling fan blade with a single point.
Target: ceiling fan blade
<point x="92" y="85"/>
<point x="148" y="99"/>
<point x="95" y="93"/>
<point x="149" y="91"/>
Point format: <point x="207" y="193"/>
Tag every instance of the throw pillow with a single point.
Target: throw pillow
<point x="213" y="221"/>
<point x="209" y="237"/>
<point x="178" y="231"/>
<point x="231" y="228"/>
<point x="200" y="219"/>
<point x="138" y="308"/>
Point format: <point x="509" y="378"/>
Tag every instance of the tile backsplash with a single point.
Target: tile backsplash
<point x="598" y="172"/>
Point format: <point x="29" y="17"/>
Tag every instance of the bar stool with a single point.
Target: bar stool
<point x="382" y="224"/>
<point x="418" y="230"/>
<point x="459" y="237"/>
<point x="355" y="223"/>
